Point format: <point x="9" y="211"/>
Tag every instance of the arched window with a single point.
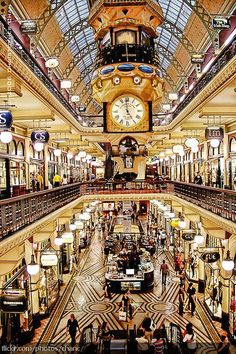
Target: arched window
<point x="232" y="145"/>
<point x="20" y="149"/>
<point x="12" y="148"/>
<point x="31" y="151"/>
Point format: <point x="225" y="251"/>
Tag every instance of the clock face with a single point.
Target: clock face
<point x="127" y="111"/>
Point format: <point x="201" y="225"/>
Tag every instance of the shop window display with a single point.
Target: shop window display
<point x="213" y="290"/>
<point x="192" y="264"/>
<point x="48" y="288"/>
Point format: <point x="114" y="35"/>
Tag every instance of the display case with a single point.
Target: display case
<point x="213" y="290"/>
<point x="48" y="289"/>
<point x="232" y="308"/>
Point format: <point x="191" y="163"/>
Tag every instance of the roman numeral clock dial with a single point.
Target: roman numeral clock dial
<point x="127" y="111"/>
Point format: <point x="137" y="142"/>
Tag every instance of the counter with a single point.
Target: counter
<point x="135" y="283"/>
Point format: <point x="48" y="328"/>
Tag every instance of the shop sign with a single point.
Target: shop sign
<point x="214" y="133"/>
<point x="221" y="23"/>
<point x="13" y="303"/>
<point x="5" y="119"/>
<point x="41" y="136"/>
<point x="210" y="257"/>
<point x="49" y="259"/>
<point x="188" y="236"/>
<point x="28" y="27"/>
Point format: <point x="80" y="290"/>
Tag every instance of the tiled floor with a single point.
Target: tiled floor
<point x="84" y="297"/>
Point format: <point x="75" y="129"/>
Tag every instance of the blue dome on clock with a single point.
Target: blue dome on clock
<point x="125" y="67"/>
<point x="146" y="69"/>
<point x="107" y="70"/>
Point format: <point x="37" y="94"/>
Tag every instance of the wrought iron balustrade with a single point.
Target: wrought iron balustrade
<point x="221" y="202"/>
<point x="227" y="54"/>
<point x="133" y="53"/>
<point x="18" y="47"/>
<point x="18" y="212"/>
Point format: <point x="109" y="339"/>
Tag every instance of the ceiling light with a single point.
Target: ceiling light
<point x="33" y="267"/>
<point x="182" y="224"/>
<point x="228" y="263"/>
<point x="58" y="240"/>
<point x="177" y="148"/>
<point x="6" y="137"/>
<point x="67" y="237"/>
<point x="72" y="227"/>
<point x="190" y="142"/>
<point x="195" y="149"/>
<point x="66" y="84"/>
<point x="181" y="153"/>
<point x="75" y="98"/>
<point x="51" y="63"/>
<point x="57" y="152"/>
<point x="166" y="106"/>
<point x="215" y="143"/>
<point x="69" y="155"/>
<point x="199" y="239"/>
<point x="38" y="146"/>
<point x="173" y="96"/>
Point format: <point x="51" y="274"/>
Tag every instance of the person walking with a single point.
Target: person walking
<point x="64" y="180"/>
<point x="198" y="179"/>
<point x="72" y="327"/>
<point x="192" y="298"/>
<point x="164" y="271"/>
<point x="190" y="340"/>
<point x="181" y="299"/>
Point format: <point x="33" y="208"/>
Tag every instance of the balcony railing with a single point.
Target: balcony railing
<point x="227" y="54"/>
<point x="221" y="202"/>
<point x="127" y="53"/>
<point x="18" y="212"/>
<point x="18" y="47"/>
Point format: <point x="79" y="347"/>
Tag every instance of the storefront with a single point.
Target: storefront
<point x="17" y="168"/>
<point x="231" y="164"/>
<point x="49" y="284"/>
<point x="187" y="176"/>
<point x="198" y="164"/>
<point x="213" y="285"/>
<point x="52" y="165"/>
<point x="36" y="166"/>
<point x="16" y="309"/>
<point x="232" y="307"/>
<point x="215" y="166"/>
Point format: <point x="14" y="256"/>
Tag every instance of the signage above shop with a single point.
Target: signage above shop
<point x="29" y="27"/>
<point x="41" y="136"/>
<point x="214" y="133"/>
<point x="5" y="119"/>
<point x="188" y="236"/>
<point x="210" y="257"/>
<point x="49" y="258"/>
<point x="13" y="303"/>
<point x="221" y="23"/>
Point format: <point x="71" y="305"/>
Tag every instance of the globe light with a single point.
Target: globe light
<point x="86" y="216"/>
<point x="177" y="148"/>
<point x="199" y="239"/>
<point x="75" y="98"/>
<point x="82" y="154"/>
<point x="66" y="84"/>
<point x="79" y="225"/>
<point x="32" y="267"/>
<point x="58" y="240"/>
<point x="38" y="146"/>
<point x="57" y="152"/>
<point x="181" y="153"/>
<point x="6" y="137"/>
<point x="88" y="157"/>
<point x="195" y="149"/>
<point x="84" y="159"/>
<point x="52" y="63"/>
<point x="72" y="227"/>
<point x="191" y="142"/>
<point x="88" y="210"/>
<point x="215" y="143"/>
<point x="182" y="224"/>
<point x="228" y="263"/>
<point x="69" y="155"/>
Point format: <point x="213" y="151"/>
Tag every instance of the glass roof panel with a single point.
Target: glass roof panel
<point x="72" y="12"/>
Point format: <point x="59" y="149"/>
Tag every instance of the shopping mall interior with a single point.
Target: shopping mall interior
<point x="118" y="176"/>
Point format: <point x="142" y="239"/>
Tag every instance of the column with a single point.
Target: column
<point x="226" y="156"/>
<point x="225" y="299"/>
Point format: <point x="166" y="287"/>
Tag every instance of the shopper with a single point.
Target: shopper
<point x="127" y="305"/>
<point x="192" y="298"/>
<point x="39" y="182"/>
<point x="164" y="271"/>
<point x="64" y="180"/>
<point x="198" y="179"/>
<point x="56" y="180"/>
<point x="190" y="341"/>
<point x="107" y="290"/>
<point x="142" y="343"/>
<point x="181" y="300"/>
<point x="158" y="344"/>
<point x="223" y="346"/>
<point x="105" y="336"/>
<point x="72" y="327"/>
